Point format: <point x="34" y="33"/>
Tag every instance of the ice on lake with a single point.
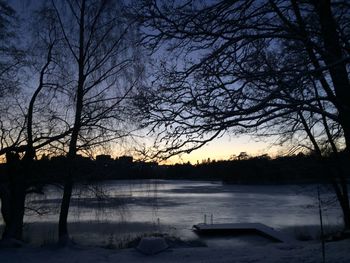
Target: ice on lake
<point x="120" y="210"/>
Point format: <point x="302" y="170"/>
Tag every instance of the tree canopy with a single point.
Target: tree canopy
<point x="246" y="66"/>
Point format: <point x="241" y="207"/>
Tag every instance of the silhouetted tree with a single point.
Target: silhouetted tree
<point x="10" y="62"/>
<point x="34" y="128"/>
<point x="104" y="70"/>
<point x="244" y="65"/>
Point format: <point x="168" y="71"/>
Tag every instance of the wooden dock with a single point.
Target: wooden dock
<point x="241" y="229"/>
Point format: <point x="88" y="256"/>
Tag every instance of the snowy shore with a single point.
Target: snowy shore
<point x="336" y="252"/>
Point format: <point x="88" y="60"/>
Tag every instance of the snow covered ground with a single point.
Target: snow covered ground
<point x="273" y="252"/>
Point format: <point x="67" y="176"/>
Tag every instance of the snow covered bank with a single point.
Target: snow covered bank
<point x="300" y="252"/>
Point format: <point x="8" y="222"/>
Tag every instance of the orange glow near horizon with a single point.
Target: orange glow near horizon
<point x="219" y="149"/>
<point x="226" y="147"/>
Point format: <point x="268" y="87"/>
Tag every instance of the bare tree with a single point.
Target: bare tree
<point x="26" y="129"/>
<point x="104" y="70"/>
<point x="245" y="65"/>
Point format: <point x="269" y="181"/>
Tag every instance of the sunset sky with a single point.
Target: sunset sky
<point x="223" y="148"/>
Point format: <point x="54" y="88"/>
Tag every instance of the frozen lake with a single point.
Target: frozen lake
<point x="120" y="210"/>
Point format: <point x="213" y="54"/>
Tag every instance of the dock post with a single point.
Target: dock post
<point x="211" y="218"/>
<point x="205" y="219"/>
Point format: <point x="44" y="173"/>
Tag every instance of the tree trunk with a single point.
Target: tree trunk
<point x="13" y="193"/>
<point x="343" y="201"/>
<point x="340" y="188"/>
<point x="63" y="234"/>
<point x="337" y="68"/>
<point x="5" y="195"/>
<point x="17" y="211"/>
<point x="65" y="203"/>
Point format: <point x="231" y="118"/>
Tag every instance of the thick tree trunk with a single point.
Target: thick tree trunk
<point x="15" y="229"/>
<point x="333" y="57"/>
<point x="13" y="193"/>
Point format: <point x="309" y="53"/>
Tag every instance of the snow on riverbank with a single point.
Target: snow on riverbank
<point x="299" y="252"/>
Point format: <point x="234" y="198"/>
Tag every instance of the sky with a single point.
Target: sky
<point x="219" y="149"/>
<point x="225" y="147"/>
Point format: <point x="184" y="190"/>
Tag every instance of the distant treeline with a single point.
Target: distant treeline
<point x="263" y="170"/>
